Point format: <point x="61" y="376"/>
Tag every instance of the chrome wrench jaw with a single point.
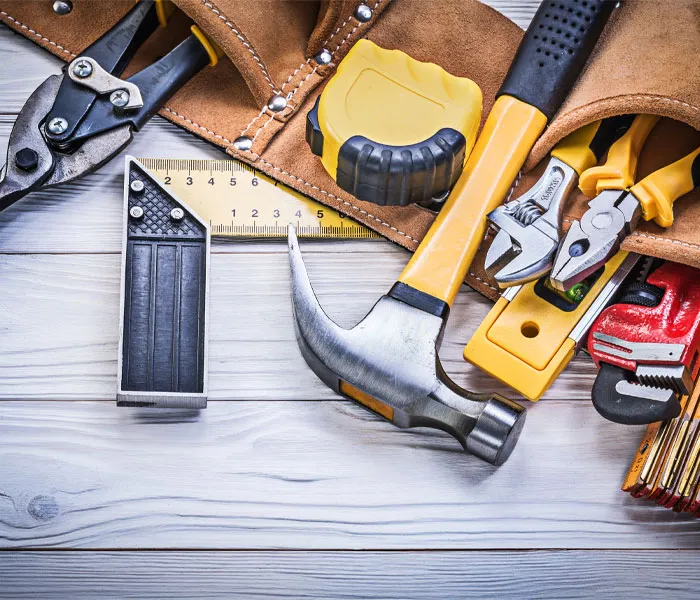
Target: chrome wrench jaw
<point x="652" y="392"/>
<point x="595" y="238"/>
<point x="524" y="247"/>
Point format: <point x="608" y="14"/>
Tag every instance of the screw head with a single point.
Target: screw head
<point x="277" y="103"/>
<point x="62" y="7"/>
<point x="579" y="248"/>
<point x="243" y="143"/>
<point x="136" y="212"/>
<point x="136" y="186"/>
<point x="119" y="98"/>
<point x="26" y="159"/>
<point x="323" y="57"/>
<point x="82" y="68"/>
<point x="363" y="13"/>
<point x="177" y="214"/>
<point x="57" y="125"/>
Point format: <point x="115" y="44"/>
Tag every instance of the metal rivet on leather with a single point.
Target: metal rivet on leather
<point x="323" y="57"/>
<point x="363" y="13"/>
<point x="62" y="7"/>
<point x="277" y="103"/>
<point x="243" y="143"/>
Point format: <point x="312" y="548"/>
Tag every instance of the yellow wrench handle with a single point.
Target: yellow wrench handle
<point x="657" y="192"/>
<point x="440" y="264"/>
<point x="620" y="168"/>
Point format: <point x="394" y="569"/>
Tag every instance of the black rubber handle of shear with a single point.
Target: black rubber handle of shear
<point x="157" y="82"/>
<point x="554" y="50"/>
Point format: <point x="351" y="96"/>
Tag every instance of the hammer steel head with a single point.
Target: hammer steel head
<point x="389" y="362"/>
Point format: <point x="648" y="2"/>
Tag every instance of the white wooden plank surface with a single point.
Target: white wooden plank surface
<point x="314" y="475"/>
<point x="266" y="474"/>
<point x="616" y="575"/>
<point x="60" y="325"/>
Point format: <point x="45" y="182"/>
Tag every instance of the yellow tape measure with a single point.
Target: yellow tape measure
<point x="240" y="202"/>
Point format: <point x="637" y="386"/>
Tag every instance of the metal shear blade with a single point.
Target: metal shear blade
<point x="50" y="167"/>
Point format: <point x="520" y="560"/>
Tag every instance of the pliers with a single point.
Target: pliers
<point x="615" y="212"/>
<point x="75" y="122"/>
<point x="528" y="237"/>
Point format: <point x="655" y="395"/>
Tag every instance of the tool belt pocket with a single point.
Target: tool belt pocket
<point x="254" y="104"/>
<point x="277" y="51"/>
<point x="645" y="63"/>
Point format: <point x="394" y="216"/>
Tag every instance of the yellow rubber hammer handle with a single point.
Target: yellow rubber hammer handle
<point x="535" y="86"/>
<point x="657" y="192"/>
<point x="620" y="168"/>
<point x="441" y="262"/>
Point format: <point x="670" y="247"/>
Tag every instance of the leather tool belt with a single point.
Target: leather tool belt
<point x="645" y="62"/>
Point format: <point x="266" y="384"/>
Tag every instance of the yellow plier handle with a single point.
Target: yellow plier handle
<point x="620" y="169"/>
<point x="583" y="148"/>
<point x="657" y="192"/>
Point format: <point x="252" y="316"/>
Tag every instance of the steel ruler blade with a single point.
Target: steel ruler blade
<point x="240" y="202"/>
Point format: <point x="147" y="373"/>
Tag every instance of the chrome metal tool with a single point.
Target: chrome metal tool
<point x="75" y="122"/>
<point x="620" y="204"/>
<point x="529" y="227"/>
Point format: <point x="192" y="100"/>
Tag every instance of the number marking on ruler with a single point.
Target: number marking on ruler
<point x="241" y="202"/>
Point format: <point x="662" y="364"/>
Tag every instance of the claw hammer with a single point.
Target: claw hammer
<point x="389" y="361"/>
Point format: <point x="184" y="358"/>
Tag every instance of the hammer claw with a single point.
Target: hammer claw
<point x="389" y="363"/>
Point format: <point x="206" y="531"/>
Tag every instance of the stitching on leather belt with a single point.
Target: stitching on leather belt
<point x="306" y="183"/>
<point x="37" y="34"/>
<point x="242" y="39"/>
<point x="667" y="240"/>
<point x="197" y="125"/>
<point x="305" y="63"/>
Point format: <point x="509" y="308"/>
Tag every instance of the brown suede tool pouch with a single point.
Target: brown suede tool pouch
<point x="646" y="62"/>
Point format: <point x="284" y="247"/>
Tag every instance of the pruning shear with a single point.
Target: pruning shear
<point x="528" y="236"/>
<point x="615" y="212"/>
<point x="75" y="122"/>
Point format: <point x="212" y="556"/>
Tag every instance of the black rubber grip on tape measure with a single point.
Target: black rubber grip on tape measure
<point x="394" y="175"/>
<point x="399" y="176"/>
<point x="554" y="50"/>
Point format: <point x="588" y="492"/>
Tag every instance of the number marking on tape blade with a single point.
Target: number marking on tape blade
<point x="241" y="202"/>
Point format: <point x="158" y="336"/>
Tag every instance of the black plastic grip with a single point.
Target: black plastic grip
<point x="610" y="130"/>
<point x="554" y="50"/>
<point x="630" y="410"/>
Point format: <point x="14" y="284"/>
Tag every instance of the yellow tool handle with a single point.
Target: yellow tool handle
<point x="164" y="9"/>
<point x="620" y="168"/>
<point x="440" y="264"/>
<point x="575" y="148"/>
<point x="657" y="192"/>
<point x="213" y="50"/>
